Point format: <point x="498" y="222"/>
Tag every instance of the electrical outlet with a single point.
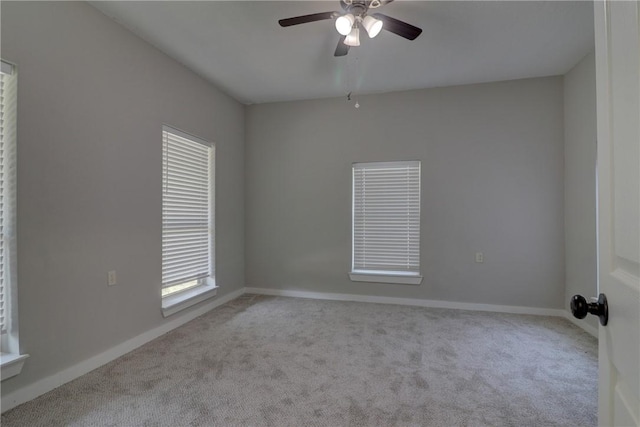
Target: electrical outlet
<point x="112" y="278"/>
<point x="479" y="257"/>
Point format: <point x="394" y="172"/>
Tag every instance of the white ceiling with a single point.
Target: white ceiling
<point x="239" y="46"/>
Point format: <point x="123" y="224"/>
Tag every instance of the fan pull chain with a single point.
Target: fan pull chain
<point x="349" y="79"/>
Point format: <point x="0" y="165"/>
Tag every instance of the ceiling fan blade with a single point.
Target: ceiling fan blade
<point x="342" y="49"/>
<point x="296" y="20"/>
<point x="398" y="27"/>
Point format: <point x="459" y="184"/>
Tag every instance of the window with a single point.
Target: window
<point x="10" y="360"/>
<point x="188" y="238"/>
<point x="386" y="222"/>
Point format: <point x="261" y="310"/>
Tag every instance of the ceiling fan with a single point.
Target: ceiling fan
<point x="356" y="14"/>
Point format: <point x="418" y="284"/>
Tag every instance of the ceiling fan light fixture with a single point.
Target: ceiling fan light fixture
<point x="372" y="25"/>
<point x="344" y="23"/>
<point x="353" y="39"/>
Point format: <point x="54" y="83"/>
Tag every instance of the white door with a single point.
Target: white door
<point x="617" y="29"/>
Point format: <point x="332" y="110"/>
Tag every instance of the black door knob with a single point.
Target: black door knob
<point x="580" y="308"/>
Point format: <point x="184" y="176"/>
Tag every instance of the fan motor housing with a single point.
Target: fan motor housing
<point x="359" y="7"/>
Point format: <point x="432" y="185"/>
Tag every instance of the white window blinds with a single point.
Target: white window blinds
<point x="187" y="208"/>
<point x="386" y="217"/>
<point x="8" y="100"/>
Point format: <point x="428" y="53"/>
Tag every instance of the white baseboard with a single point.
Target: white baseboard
<point x="409" y="301"/>
<point x="581" y="324"/>
<point x="47" y="384"/>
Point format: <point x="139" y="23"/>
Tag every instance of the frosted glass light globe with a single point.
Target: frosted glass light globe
<point x="344" y="24"/>
<point x="372" y="25"/>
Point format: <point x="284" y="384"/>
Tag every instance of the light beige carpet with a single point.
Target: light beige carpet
<point x="267" y="361"/>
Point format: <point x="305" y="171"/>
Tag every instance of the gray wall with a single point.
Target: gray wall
<point x="580" y="181"/>
<point x="92" y="100"/>
<point x="492" y="181"/>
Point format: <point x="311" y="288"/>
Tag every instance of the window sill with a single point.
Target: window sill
<point x="11" y="364"/>
<point x="402" y="279"/>
<point x="174" y="303"/>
